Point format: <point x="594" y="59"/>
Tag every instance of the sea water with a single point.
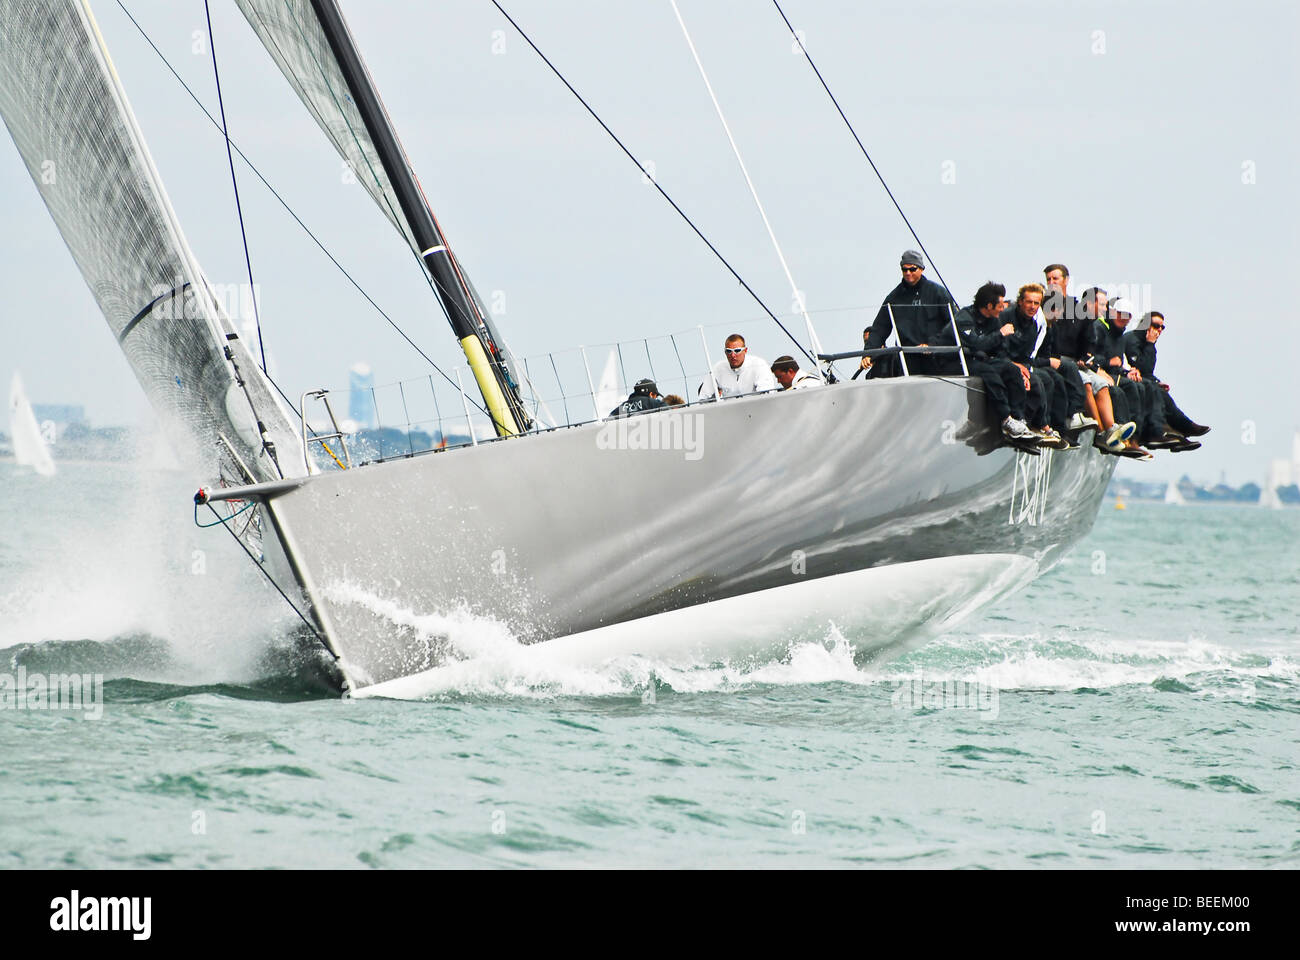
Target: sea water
<point x="1139" y="705"/>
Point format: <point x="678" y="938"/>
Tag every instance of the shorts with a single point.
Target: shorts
<point x="1095" y="380"/>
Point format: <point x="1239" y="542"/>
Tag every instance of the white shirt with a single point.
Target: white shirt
<point x="752" y="376"/>
<point x="804" y="379"/>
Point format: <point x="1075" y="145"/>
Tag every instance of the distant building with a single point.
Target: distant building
<point x="54" y="419"/>
<point x="1283" y="477"/>
<point x="361" y="397"/>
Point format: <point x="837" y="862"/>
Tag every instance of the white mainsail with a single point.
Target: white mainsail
<point x="29" y="445"/>
<point x="1174" y="495"/>
<point x="69" y="117"/>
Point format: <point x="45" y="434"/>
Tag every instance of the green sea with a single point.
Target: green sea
<point x="1137" y="706"/>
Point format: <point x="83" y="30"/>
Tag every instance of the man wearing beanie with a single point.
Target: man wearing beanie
<point x="920" y="312"/>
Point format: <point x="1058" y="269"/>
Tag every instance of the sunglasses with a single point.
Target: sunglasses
<point x="911" y="269"/>
<point x="735" y="349"/>
<point x="1157" y="326"/>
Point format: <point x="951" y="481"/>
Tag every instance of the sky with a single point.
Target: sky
<point x="1148" y="145"/>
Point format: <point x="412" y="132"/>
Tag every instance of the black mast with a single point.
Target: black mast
<point x="470" y="325"/>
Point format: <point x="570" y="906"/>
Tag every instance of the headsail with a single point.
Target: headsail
<point x="311" y="44"/>
<point x="68" y="114"/>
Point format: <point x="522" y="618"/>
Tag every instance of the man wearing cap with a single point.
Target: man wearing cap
<point x="1140" y="353"/>
<point x="739" y="373"/>
<point x="790" y="377"/>
<point x="1132" y="399"/>
<point x="644" y="396"/>
<point x="920" y="309"/>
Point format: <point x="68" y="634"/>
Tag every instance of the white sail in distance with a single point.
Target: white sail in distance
<point x="69" y="117"/>
<point x="30" y="449"/>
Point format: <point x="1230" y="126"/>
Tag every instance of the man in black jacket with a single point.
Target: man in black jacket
<point x="920" y="312"/>
<point x="1071" y="320"/>
<point x="1140" y="353"/>
<point x="1023" y="346"/>
<point x="1132" y="399"/>
<point x="644" y="396"/>
<point x="984" y="340"/>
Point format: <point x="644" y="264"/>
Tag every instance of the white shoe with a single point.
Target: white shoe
<point x="1126" y="430"/>
<point x="1017" y="430"/>
<point x="1113" y="438"/>
<point x="1081" y="422"/>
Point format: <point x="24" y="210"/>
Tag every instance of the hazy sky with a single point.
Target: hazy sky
<point x="1151" y="145"/>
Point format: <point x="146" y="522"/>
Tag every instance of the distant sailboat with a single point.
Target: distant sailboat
<point x="30" y="449"/>
<point x="1174" y="495"/>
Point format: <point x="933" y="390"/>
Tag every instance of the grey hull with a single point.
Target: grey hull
<point x="641" y="521"/>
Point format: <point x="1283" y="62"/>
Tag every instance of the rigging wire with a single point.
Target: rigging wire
<point x="798" y="39"/>
<point x="780" y="255"/>
<point x="663" y="193"/>
<point x="288" y="209"/>
<point x="234" y="182"/>
<point x="266" y="573"/>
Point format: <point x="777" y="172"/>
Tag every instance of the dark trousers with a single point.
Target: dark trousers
<point x="1175" y="419"/>
<point x="1060" y="397"/>
<point x="1003" y="385"/>
<point x="1038" y="406"/>
<point x="1144" y="408"/>
<point x="884" y="367"/>
<point x="1074" y="391"/>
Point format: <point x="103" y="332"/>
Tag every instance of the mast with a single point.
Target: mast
<point x="468" y="321"/>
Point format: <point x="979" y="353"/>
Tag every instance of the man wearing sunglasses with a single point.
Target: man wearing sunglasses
<point x="739" y="373"/>
<point x="920" y="311"/>
<point x="1140" y="352"/>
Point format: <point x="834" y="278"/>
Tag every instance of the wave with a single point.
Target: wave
<point x="485" y="660"/>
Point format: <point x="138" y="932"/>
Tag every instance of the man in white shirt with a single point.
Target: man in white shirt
<point x="790" y="377"/>
<point x="739" y="373"/>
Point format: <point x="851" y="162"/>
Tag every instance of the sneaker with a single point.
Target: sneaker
<point x="1113" y="439"/>
<point x="1081" y="422"/>
<point x="1126" y="430"/>
<point x="1050" y="438"/>
<point x="1014" y="429"/>
<point x="1100" y="443"/>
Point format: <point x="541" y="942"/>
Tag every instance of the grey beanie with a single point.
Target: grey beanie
<point x="912" y="256"/>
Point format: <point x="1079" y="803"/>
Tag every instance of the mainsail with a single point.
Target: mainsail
<point x="311" y="44"/>
<point x="24" y="433"/>
<point x="68" y="114"/>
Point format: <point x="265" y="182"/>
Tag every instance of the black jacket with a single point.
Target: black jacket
<point x="1140" y="354"/>
<point x="980" y="335"/>
<point x="1107" y="342"/>
<point x="921" y="312"/>
<point x="637" y="403"/>
<point x="1072" y="330"/>
<point x="1020" y="345"/>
